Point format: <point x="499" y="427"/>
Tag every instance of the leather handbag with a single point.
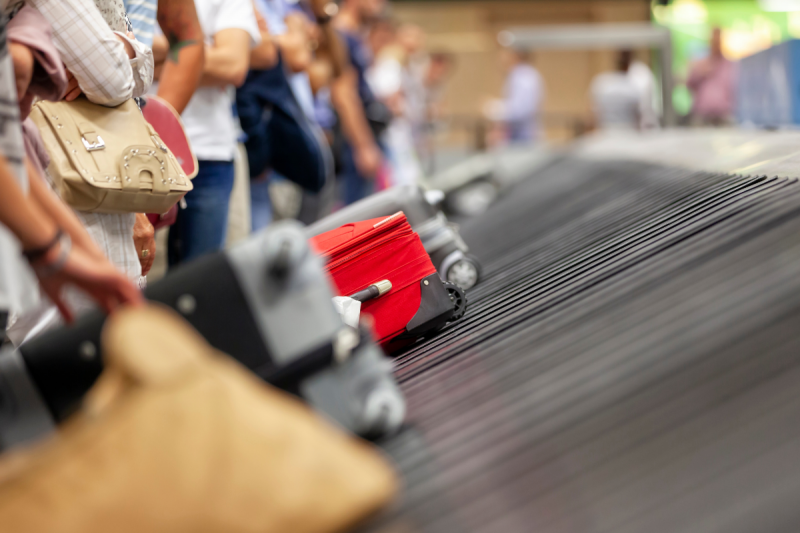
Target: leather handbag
<point x="108" y="159"/>
<point x="176" y="437"/>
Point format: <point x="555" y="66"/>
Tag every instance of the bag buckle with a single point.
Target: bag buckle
<point x="93" y="146"/>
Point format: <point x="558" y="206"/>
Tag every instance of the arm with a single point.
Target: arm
<point x="294" y="44"/>
<point x="62" y="216"/>
<point x="265" y="55"/>
<point x="183" y="67"/>
<point x="698" y="74"/>
<point x="331" y="48"/>
<point x="141" y="60"/>
<point x="344" y="95"/>
<point x="228" y="59"/>
<point x="23" y="218"/>
<point x="36" y="228"/>
<point x="93" y="53"/>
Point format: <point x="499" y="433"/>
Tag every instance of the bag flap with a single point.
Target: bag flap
<point x="97" y="140"/>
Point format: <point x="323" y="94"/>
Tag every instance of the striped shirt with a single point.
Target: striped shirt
<point x="143" y="18"/>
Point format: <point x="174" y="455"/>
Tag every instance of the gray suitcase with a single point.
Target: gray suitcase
<point x="448" y="251"/>
<point x="266" y="303"/>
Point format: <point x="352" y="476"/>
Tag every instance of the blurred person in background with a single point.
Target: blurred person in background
<point x="231" y="32"/>
<point x="517" y="113"/>
<point x="649" y="102"/>
<point x="712" y="82"/>
<point x="354" y="101"/>
<point x="391" y="81"/>
<point x="290" y="31"/>
<point x="425" y="110"/>
<point x="411" y="39"/>
<point x="616" y="99"/>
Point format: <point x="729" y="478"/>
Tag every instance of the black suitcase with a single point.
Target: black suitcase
<point x="266" y="302"/>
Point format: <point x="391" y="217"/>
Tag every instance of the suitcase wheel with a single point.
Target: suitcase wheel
<point x="383" y="412"/>
<point x="459" y="299"/>
<point x="466" y="272"/>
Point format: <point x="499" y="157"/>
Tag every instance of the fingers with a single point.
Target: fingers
<point x="73" y="94"/>
<point x="147" y="255"/>
<point x="147" y="263"/>
<point x="65" y="311"/>
<point x="128" y="294"/>
<point x="73" y="89"/>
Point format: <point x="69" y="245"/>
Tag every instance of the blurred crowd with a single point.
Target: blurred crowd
<point x="320" y="103"/>
<point x="293" y="108"/>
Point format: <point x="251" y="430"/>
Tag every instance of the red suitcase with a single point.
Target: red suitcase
<point x="361" y="256"/>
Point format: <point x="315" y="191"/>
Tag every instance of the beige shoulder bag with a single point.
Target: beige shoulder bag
<point x="176" y="437"/>
<point x="108" y="159"/>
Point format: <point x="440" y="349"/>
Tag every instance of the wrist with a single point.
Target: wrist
<point x="367" y="146"/>
<point x="49" y="261"/>
<point x="36" y="251"/>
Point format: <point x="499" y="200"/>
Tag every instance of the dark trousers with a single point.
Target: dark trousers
<point x="201" y="228"/>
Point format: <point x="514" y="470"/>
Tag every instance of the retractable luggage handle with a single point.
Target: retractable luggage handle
<point x="376" y="290"/>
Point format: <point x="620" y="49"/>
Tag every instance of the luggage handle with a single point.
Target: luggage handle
<point x="376" y="290"/>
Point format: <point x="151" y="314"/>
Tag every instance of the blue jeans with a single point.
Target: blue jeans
<point x="201" y="227"/>
<point x="354" y="186"/>
<point x="260" y="203"/>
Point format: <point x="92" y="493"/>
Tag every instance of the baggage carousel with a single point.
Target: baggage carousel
<point x="630" y="363"/>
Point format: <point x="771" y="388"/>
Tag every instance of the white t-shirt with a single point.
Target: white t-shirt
<point x="208" y="119"/>
<point x="616" y="101"/>
<point x="645" y="82"/>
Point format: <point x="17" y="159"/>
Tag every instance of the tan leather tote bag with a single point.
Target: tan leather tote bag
<point x="176" y="438"/>
<point x="108" y="159"/>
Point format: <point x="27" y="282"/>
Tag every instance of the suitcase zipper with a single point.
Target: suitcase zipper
<point x="383" y="226"/>
<point x="334" y="264"/>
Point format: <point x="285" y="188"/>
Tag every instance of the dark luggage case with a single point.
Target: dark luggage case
<point x="448" y="251"/>
<point x="409" y="299"/>
<point x="267" y="303"/>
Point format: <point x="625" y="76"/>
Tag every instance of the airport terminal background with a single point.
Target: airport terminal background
<point x="445" y="266"/>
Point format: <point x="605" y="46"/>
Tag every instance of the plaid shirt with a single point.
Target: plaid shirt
<point x="94" y="55"/>
<point x="106" y="76"/>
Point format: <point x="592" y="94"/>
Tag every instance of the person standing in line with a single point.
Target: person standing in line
<point x="518" y="112"/>
<point x="231" y="33"/>
<point x="712" y="82"/>
<point x="287" y="26"/>
<point x="650" y="103"/>
<point x="29" y="229"/>
<point x="389" y="81"/>
<point x="352" y="98"/>
<point x="616" y="99"/>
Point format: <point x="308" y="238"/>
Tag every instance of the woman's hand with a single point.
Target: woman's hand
<point x="96" y="277"/>
<point x="73" y="89"/>
<point x="144" y="238"/>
